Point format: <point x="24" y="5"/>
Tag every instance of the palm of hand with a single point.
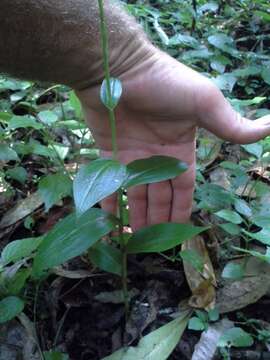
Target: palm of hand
<point x="162" y="103"/>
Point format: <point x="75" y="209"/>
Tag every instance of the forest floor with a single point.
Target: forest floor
<point x="79" y="308"/>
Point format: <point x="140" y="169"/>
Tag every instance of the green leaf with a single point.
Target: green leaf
<point x="263" y="235"/>
<point x="186" y="40"/>
<point x="263" y="257"/>
<point x="159" y="344"/>
<point x="19" y="249"/>
<point x="47" y="117"/>
<point x="71" y="237"/>
<point x="242" y="207"/>
<point x="196" y="324"/>
<point x="236" y="337"/>
<point x="213" y="314"/>
<point x="5" y="116"/>
<point x="55" y="355"/>
<point x="18" y="173"/>
<point x="17" y="282"/>
<point x="213" y="197"/>
<point x="116" y="92"/>
<point x="96" y="181"/>
<point x="153" y="169"/>
<point x="230" y="228"/>
<point x="161" y="237"/>
<point x="59" y="150"/>
<point x="53" y="188"/>
<point x="193" y="258"/>
<point x="209" y="6"/>
<point x="233" y="271"/>
<point x="223" y="42"/>
<point x="255" y="149"/>
<point x="266" y="72"/>
<point x="229" y="215"/>
<point x="7" y="154"/>
<point x="106" y="257"/>
<point x="26" y="121"/>
<point x="261" y="220"/>
<point x="76" y="104"/>
<point x="225" y="81"/>
<point x="265" y="16"/>
<point x="247" y="71"/>
<point x="10" y="307"/>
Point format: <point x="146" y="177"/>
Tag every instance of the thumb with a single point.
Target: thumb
<point x="218" y="116"/>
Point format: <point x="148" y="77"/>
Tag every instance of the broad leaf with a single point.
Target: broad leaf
<point x="47" y="117"/>
<point x="19" y="249"/>
<point x="55" y="355"/>
<point x="7" y="154"/>
<point x="76" y="104"/>
<point x="243" y="208"/>
<point x="263" y="257"/>
<point x="193" y="258"/>
<point x="15" y="285"/>
<point x="71" y="237"/>
<point x="266" y="73"/>
<point x="9" y="308"/>
<point x="222" y="42"/>
<point x="53" y="188"/>
<point x="159" y="344"/>
<point x="106" y="257"/>
<point x="116" y="92"/>
<point x="26" y="121"/>
<point x="225" y="81"/>
<point x="230" y="228"/>
<point x="96" y="181"/>
<point x="161" y="237"/>
<point x="236" y="337"/>
<point x="184" y="40"/>
<point x="233" y="271"/>
<point x="229" y="215"/>
<point x="213" y="314"/>
<point x="153" y="169"/>
<point x="262" y="235"/>
<point x="196" y="324"/>
<point x="18" y="173"/>
<point x="255" y="149"/>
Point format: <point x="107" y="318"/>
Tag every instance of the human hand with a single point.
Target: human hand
<point x="163" y="102"/>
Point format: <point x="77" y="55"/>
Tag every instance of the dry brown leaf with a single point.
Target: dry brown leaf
<point x="209" y="147"/>
<point x="21" y="210"/>
<point x="202" y="285"/>
<point x="235" y="295"/>
<point x="221" y="177"/>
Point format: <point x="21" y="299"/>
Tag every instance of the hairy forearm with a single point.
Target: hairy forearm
<point x="59" y="41"/>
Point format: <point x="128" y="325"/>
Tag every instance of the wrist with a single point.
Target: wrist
<point x="125" y="56"/>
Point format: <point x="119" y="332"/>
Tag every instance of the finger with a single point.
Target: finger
<point x="159" y="202"/>
<point x="183" y="187"/>
<point x="137" y="200"/>
<point x="110" y="204"/>
<point x="217" y="116"/>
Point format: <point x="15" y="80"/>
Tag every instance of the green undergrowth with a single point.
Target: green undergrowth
<point x="47" y="149"/>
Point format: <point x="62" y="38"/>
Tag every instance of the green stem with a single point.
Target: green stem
<point x="105" y="50"/>
<point x="113" y="132"/>
<point x="123" y="251"/>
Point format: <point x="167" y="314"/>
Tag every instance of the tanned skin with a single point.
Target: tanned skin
<point x="163" y="101"/>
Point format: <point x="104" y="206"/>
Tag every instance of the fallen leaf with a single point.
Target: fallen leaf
<point x="209" y="147"/>
<point x="235" y="295"/>
<point x="202" y="284"/>
<point x="157" y="345"/>
<point x="24" y="208"/>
